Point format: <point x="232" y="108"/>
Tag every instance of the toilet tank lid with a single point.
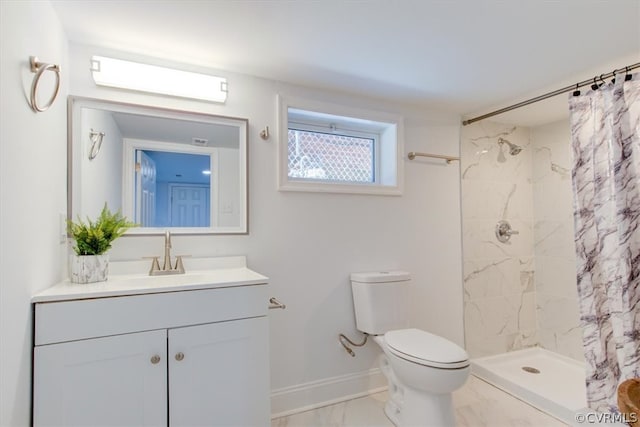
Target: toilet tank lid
<point x="380" y="276"/>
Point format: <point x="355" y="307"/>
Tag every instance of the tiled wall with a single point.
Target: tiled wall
<point x="555" y="259"/>
<point x="499" y="292"/>
<point x="521" y="293"/>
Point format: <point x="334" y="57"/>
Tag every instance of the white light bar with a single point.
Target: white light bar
<point x="150" y="78"/>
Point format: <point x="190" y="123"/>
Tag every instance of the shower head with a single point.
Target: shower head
<point x="513" y="148"/>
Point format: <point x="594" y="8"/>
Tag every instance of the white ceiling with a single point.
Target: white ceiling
<point x="164" y="129"/>
<point x="459" y="56"/>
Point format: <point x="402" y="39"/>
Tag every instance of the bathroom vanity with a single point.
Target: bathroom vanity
<point x="180" y="350"/>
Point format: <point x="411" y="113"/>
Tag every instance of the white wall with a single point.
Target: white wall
<point x="33" y="189"/>
<point x="228" y="203"/>
<point x="104" y="170"/>
<point x="308" y="243"/>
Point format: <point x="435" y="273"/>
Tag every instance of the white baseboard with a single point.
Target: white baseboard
<point x="304" y="397"/>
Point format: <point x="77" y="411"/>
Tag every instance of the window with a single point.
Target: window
<point x="350" y="152"/>
<point x="338" y="156"/>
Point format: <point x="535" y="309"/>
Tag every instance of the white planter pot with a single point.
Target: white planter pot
<point x="88" y="268"/>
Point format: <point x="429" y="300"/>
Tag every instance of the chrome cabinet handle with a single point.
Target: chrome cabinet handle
<point x="155" y="359"/>
<point x="179" y="356"/>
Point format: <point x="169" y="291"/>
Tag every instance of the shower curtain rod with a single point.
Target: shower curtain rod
<point x="601" y="77"/>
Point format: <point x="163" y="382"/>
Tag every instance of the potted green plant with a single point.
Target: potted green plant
<point x="93" y="239"/>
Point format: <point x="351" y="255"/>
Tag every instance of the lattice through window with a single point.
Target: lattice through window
<point x="331" y="157"/>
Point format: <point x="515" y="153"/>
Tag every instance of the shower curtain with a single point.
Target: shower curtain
<point x="605" y="133"/>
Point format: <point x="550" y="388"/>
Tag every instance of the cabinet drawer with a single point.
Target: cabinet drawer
<point x="81" y="319"/>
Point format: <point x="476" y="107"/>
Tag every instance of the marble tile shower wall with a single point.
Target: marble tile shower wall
<point x="522" y="293"/>
<point x="499" y="290"/>
<point x="555" y="259"/>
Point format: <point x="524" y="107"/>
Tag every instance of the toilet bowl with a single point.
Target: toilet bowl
<point x="422" y="369"/>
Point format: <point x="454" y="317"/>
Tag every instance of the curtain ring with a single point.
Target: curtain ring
<point x="577" y="91"/>
<point x="39" y="68"/>
<point x="602" y="80"/>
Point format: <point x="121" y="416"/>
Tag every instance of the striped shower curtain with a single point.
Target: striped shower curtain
<point x="605" y="133"/>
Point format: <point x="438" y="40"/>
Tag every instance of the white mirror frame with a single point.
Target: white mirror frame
<point x="75" y="154"/>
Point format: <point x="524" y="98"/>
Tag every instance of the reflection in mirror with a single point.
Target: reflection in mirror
<point x="172" y="189"/>
<point x="162" y="168"/>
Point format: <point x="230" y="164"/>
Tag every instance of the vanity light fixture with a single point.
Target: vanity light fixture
<point x="206" y="172"/>
<point x="150" y="78"/>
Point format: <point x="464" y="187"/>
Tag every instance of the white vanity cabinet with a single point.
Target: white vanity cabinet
<point x="110" y="381"/>
<point x="217" y="374"/>
<point x="179" y="358"/>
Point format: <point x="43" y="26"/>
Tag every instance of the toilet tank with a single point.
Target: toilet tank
<point x="380" y="300"/>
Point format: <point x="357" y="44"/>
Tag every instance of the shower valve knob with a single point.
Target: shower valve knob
<point x="504" y="231"/>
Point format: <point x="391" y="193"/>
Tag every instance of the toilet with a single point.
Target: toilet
<point x="422" y="369"/>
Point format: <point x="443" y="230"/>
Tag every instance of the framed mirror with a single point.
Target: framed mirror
<point x="163" y="169"/>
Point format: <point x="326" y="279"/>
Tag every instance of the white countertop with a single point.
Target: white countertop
<point x="125" y="279"/>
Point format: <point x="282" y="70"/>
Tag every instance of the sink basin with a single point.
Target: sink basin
<point x="190" y="278"/>
<point x="629" y="400"/>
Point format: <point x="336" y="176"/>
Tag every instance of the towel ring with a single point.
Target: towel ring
<point x="39" y="68"/>
<point x="96" y="143"/>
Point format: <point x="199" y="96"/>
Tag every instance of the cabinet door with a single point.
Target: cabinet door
<point x="102" y="381"/>
<point x="219" y="374"/>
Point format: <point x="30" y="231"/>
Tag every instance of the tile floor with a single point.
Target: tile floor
<point x="477" y="404"/>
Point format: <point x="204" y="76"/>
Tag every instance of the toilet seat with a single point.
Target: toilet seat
<point x="426" y="349"/>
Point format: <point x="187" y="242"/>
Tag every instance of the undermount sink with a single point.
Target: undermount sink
<point x="192" y="278"/>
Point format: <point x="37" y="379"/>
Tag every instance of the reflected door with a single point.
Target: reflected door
<point x="189" y="206"/>
<point x="145" y="189"/>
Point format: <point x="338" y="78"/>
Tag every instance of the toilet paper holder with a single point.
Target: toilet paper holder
<point x="274" y="303"/>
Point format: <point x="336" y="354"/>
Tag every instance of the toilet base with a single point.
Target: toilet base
<point x="392" y="412"/>
<point x="418" y="409"/>
<point x="426" y="409"/>
<point x="407" y="407"/>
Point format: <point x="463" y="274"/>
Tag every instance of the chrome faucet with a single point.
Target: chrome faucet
<point x="166" y="263"/>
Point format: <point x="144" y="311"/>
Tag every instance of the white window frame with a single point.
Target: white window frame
<point x="386" y="129"/>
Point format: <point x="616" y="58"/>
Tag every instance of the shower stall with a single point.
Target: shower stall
<point x="525" y="326"/>
<point x="520" y="297"/>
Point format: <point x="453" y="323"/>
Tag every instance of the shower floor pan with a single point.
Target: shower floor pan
<point x="557" y="389"/>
